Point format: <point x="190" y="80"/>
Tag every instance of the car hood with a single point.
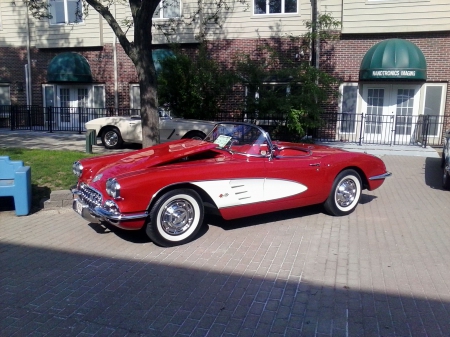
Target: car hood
<point x="128" y="163"/>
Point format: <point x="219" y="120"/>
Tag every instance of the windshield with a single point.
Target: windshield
<point x="240" y="138"/>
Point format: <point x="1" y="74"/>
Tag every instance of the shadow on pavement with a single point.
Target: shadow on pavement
<point x="433" y="173"/>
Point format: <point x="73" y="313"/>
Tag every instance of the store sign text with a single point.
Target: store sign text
<point x="393" y="73"/>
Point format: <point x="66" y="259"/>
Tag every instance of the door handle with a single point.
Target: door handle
<point x="315" y="164"/>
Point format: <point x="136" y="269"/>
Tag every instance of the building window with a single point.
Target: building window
<point x="66" y="11"/>
<point x="433" y="108"/>
<point x="135" y="99"/>
<point x="168" y="9"/>
<point x="5" y="102"/>
<point x="349" y="98"/>
<point x="262" y="7"/>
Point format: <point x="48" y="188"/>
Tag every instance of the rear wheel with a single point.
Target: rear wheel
<point x="345" y="193"/>
<point x="111" y="138"/>
<point x="175" y="218"/>
<point x="445" y="178"/>
<point x="194" y="135"/>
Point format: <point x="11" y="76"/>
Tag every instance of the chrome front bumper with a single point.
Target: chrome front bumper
<point x="99" y="214"/>
<point x="381" y="176"/>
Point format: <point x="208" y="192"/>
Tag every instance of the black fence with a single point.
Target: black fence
<point x="423" y="130"/>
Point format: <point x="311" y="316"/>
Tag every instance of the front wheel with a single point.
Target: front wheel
<point x="111" y="138"/>
<point x="345" y="193"/>
<point x="175" y="218"/>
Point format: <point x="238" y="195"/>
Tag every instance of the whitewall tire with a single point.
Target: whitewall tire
<point x="345" y="193"/>
<point x="175" y="218"/>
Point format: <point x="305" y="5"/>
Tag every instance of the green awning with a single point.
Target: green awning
<point x="69" y="67"/>
<point x="394" y="59"/>
<point x="160" y="54"/>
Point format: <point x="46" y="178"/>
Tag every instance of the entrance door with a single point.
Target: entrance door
<point x="73" y="103"/>
<point x="390" y="111"/>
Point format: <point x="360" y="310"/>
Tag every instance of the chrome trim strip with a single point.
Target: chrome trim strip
<point x="381" y="176"/>
<point x="110" y="216"/>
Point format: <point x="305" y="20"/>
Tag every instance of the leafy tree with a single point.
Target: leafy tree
<point x="289" y="94"/>
<point x="193" y="87"/>
<point x="139" y="46"/>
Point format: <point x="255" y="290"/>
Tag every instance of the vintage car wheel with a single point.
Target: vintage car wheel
<point x="111" y="138"/>
<point x="194" y="135"/>
<point x="175" y="218"/>
<point x="445" y="179"/>
<point x="345" y="193"/>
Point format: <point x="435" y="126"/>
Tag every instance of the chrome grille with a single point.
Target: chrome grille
<point x="90" y="196"/>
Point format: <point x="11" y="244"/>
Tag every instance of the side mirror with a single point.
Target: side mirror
<point x="275" y="151"/>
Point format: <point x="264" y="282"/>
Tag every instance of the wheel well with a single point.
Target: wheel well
<point x="194" y="132"/>
<point x="106" y="128"/>
<point x="364" y="180"/>
<point x="203" y="195"/>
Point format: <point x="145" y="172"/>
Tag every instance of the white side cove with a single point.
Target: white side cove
<point x="227" y="193"/>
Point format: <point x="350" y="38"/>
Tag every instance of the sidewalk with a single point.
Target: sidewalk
<point x="77" y="142"/>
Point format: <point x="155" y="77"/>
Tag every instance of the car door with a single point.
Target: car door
<point x="293" y="176"/>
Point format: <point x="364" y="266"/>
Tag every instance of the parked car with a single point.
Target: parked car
<point x="236" y="170"/>
<point x="116" y="130"/>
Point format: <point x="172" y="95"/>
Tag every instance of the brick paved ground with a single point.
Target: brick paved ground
<point x="382" y="271"/>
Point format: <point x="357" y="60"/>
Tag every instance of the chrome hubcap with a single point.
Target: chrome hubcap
<point x="346" y="193"/>
<point x="111" y="138"/>
<point x="177" y="217"/>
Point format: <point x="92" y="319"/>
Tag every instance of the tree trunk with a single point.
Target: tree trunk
<point x="149" y="112"/>
<point x="142" y="59"/>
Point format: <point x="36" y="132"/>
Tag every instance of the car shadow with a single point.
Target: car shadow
<point x="214" y="219"/>
<point x="134" y="236"/>
<point x="217" y="220"/>
<point x="433" y="173"/>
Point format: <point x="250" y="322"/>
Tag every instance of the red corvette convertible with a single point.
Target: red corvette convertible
<point x="236" y="169"/>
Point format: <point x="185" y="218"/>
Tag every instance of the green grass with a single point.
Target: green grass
<point x="50" y="170"/>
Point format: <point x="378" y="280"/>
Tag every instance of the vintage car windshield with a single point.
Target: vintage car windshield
<point x="241" y="138"/>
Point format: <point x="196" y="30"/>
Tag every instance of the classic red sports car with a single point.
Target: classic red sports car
<point x="237" y="169"/>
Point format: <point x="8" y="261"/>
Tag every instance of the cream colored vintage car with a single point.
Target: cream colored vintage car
<point x="116" y="130"/>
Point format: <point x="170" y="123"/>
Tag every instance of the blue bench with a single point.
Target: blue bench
<point x="15" y="181"/>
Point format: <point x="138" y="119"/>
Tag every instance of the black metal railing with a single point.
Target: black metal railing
<point x="423" y="130"/>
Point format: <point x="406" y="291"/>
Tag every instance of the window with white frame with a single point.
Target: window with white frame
<point x="5" y="100"/>
<point x="66" y="12"/>
<point x="433" y="107"/>
<point x="347" y="107"/>
<point x="135" y="98"/>
<point x="168" y="9"/>
<point x="266" y="7"/>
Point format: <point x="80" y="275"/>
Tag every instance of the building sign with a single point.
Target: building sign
<point x="393" y="73"/>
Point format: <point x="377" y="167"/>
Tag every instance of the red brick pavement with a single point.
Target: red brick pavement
<point x="382" y="271"/>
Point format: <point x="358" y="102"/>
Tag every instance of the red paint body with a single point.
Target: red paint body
<point x="145" y="174"/>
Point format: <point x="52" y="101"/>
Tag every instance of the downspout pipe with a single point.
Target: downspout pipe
<point x="315" y="41"/>
<point x="28" y="71"/>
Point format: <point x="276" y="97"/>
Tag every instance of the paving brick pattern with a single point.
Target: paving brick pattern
<point x="382" y="271"/>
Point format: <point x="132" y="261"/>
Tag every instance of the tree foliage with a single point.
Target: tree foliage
<point x="193" y="87"/>
<point x="293" y="97"/>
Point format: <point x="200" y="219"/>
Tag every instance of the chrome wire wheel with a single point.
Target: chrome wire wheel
<point x="177" y="216"/>
<point x="346" y="192"/>
<point x="111" y="138"/>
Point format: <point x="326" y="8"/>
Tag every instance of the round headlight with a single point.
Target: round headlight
<point x="113" y="188"/>
<point x="77" y="168"/>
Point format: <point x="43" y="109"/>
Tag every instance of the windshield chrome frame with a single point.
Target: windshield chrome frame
<point x="263" y="132"/>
